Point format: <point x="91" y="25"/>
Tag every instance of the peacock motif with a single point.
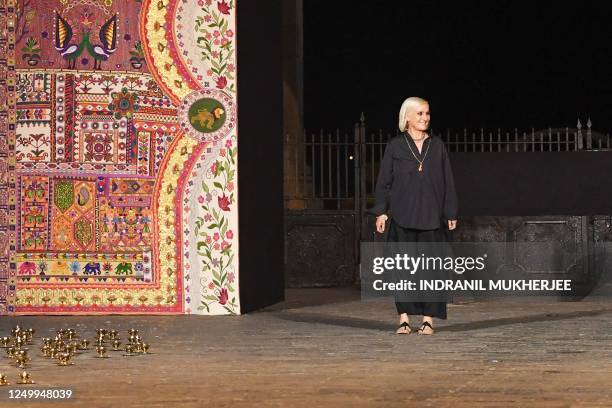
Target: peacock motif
<point x="71" y="51"/>
<point x="63" y="36"/>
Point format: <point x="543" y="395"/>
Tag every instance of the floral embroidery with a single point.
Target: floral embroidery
<point x="124" y="103"/>
<point x="214" y="235"/>
<point x="215" y="39"/>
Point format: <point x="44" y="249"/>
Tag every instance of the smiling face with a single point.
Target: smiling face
<point x="418" y="118"/>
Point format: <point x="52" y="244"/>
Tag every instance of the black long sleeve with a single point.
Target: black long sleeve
<point x="416" y="199"/>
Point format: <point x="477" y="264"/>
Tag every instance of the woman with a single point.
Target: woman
<point x="415" y="192"/>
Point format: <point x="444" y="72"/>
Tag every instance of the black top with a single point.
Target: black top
<point x="416" y="199"/>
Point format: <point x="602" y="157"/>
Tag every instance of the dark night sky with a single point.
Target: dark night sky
<point x="480" y="63"/>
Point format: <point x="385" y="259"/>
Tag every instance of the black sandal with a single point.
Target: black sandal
<point x="404" y="325"/>
<point x="425" y="324"/>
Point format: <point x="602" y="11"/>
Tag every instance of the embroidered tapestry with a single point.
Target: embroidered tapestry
<point x="118" y="152"/>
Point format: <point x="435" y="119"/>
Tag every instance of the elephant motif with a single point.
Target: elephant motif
<point x="124" y="268"/>
<point x="92" y="268"/>
<point x="59" y="268"/>
<point x="27" y="268"/>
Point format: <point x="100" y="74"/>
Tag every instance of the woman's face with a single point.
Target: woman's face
<point x="418" y="118"/>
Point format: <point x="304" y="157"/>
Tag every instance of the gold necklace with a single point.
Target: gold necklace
<point x="418" y="140"/>
<point x="415" y="156"/>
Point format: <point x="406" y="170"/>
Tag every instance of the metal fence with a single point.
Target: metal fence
<point x="330" y="179"/>
<point x="338" y="170"/>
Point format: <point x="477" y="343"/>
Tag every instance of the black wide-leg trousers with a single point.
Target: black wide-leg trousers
<point x="398" y="233"/>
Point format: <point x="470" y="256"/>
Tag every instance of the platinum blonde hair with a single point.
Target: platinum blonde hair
<point x="411" y="103"/>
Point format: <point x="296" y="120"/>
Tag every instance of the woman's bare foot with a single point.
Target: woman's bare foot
<point x="404" y="327"/>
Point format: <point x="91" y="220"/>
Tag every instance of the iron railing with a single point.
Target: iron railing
<point x="338" y="170"/>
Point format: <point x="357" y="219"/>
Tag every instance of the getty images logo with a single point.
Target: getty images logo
<point x="406" y="263"/>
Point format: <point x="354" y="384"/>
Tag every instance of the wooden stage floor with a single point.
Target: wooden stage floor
<point x="326" y="347"/>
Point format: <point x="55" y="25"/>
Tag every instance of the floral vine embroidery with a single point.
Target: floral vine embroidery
<point x="215" y="39"/>
<point x="214" y="234"/>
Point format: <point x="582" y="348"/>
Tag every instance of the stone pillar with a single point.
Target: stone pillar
<point x="293" y="104"/>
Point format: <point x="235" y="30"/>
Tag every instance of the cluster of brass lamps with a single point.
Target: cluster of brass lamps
<point x="65" y="346"/>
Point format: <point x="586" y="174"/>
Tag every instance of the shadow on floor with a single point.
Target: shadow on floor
<point x="459" y="327"/>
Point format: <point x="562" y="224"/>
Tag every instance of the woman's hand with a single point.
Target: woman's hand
<point x="452" y="224"/>
<point x="380" y="223"/>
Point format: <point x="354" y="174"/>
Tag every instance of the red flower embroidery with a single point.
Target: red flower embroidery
<point x="221" y="82"/>
<point x="223" y="7"/>
<point x="223" y="296"/>
<point x="224" y="202"/>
